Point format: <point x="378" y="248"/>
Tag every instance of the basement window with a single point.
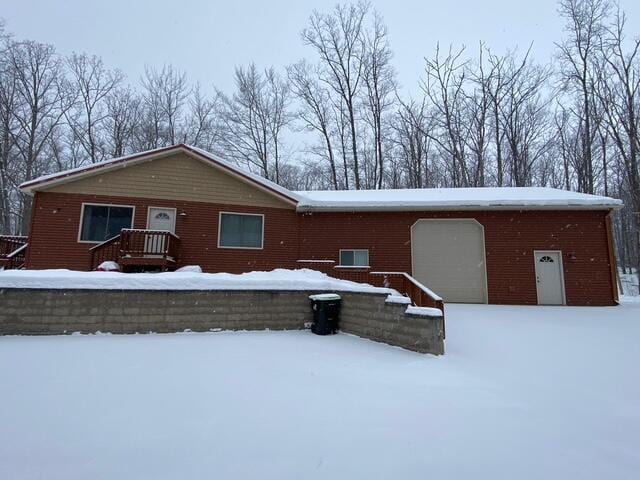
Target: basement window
<point x="241" y="230"/>
<point x="354" y="258"/>
<point x="102" y="222"/>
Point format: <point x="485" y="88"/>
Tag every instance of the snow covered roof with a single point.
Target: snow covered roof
<point x="485" y="198"/>
<point x="213" y="160"/>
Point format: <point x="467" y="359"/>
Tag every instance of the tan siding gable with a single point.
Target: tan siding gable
<point x="175" y="177"/>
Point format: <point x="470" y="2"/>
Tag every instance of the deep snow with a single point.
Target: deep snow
<point x="187" y="279"/>
<point x="522" y="393"/>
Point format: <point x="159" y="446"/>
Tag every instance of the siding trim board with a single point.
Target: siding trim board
<point x="613" y="263"/>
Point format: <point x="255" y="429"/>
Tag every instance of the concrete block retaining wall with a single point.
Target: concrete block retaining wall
<point x="375" y="318"/>
<point x="57" y="311"/>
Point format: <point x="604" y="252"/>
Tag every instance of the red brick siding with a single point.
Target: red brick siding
<point x="510" y="239"/>
<point x="53" y="240"/>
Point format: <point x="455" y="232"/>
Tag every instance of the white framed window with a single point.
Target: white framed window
<point x="354" y="258"/>
<point x="100" y="222"/>
<point x="241" y="230"/>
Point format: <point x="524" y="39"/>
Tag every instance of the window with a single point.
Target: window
<point x="102" y="222"/>
<point x="354" y="258"/>
<point x="239" y="230"/>
<point x="546" y="259"/>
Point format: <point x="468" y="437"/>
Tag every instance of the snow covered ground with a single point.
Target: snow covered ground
<point x="629" y="282"/>
<point x="522" y="393"/>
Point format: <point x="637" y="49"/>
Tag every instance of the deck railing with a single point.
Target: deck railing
<point x="109" y="250"/>
<point x="13" y="249"/>
<point x="149" y="243"/>
<point x="132" y="246"/>
<point x="420" y="295"/>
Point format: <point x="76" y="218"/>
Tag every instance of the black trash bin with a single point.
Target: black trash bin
<point x="326" y="313"/>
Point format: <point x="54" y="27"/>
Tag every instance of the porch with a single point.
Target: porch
<point x="138" y="250"/>
<point x="13" y="249"/>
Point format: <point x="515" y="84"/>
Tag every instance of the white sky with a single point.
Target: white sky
<point x="208" y="38"/>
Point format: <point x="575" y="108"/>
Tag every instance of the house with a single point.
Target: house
<point x="181" y="205"/>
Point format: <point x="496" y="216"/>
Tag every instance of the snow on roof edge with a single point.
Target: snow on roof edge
<point x="91" y="167"/>
<point x="372" y="200"/>
<point x="478" y="198"/>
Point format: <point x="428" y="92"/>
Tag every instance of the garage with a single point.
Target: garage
<point x="448" y="257"/>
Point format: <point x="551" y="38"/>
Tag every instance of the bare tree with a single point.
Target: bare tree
<point x="338" y="38"/>
<point x="123" y="107"/>
<point x="478" y="106"/>
<point x="412" y="138"/>
<point x="620" y="98"/>
<point x="253" y="118"/>
<point x="202" y="129"/>
<point x="524" y="120"/>
<point x="277" y="104"/>
<point x="315" y="110"/>
<point x="444" y="87"/>
<point x="568" y="149"/>
<point x="585" y="26"/>
<point x="379" y="78"/>
<point x="93" y="83"/>
<point x="43" y="99"/>
<point x="165" y="94"/>
<point x="8" y="104"/>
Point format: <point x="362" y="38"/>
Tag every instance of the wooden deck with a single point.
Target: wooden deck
<point x="139" y="250"/>
<point x="13" y="250"/>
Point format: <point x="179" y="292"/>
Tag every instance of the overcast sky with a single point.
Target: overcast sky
<point x="207" y="38"/>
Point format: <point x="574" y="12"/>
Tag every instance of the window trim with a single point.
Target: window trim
<point x="133" y="216"/>
<point x="340" y="265"/>
<point x="261" y="247"/>
<point x="175" y="216"/>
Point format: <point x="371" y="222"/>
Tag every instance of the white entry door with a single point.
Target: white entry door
<point x="159" y="219"/>
<point x="549" y="277"/>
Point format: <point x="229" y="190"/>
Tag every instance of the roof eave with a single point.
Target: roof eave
<point x="443" y="208"/>
<point x="32" y="186"/>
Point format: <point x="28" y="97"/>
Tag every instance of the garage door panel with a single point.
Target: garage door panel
<point x="448" y="256"/>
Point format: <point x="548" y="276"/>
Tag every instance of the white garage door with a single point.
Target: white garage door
<point x="448" y="257"/>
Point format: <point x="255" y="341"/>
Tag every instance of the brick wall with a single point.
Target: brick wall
<point x="56" y="311"/>
<point x="54" y="242"/>
<point x="510" y="239"/>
